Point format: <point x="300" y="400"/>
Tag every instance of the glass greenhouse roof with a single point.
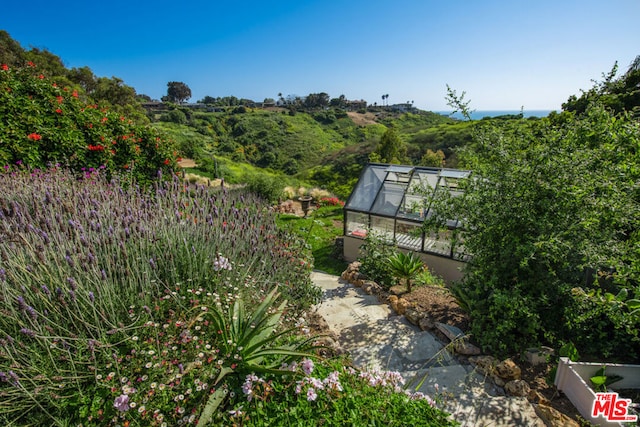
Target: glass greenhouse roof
<point x="401" y="191"/>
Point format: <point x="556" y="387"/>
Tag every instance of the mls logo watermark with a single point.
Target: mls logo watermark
<point x="612" y="408"/>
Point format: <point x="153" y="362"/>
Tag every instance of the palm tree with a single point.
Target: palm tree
<point x="405" y="266"/>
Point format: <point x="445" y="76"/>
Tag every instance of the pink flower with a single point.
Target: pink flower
<point x="307" y="366"/>
<point x="311" y="394"/>
<point x="121" y="403"/>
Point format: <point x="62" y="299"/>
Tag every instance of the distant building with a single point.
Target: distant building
<point x="401" y="108"/>
<point x="356" y="105"/>
<point x="154" y="106"/>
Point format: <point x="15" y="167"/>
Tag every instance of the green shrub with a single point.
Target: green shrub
<point x="374" y="255"/>
<point x="175" y="116"/>
<point x="265" y="186"/>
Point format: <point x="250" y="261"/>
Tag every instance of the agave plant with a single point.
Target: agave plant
<point x="255" y="343"/>
<point x="405" y="266"/>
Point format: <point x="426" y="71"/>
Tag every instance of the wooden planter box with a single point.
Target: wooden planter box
<point x="572" y="378"/>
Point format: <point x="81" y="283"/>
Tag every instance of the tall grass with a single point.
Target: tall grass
<point x="86" y="267"/>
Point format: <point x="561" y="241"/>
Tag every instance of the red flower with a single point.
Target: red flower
<point x="104" y="119"/>
<point x="34" y="137"/>
<point x="59" y="111"/>
<point x="59" y="99"/>
<point x="41" y="76"/>
<point x="74" y="93"/>
<point x="95" y="147"/>
<point x="166" y="161"/>
<point x="5" y="67"/>
<point x="31" y="64"/>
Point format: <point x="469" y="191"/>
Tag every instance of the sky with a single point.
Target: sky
<point x="503" y="54"/>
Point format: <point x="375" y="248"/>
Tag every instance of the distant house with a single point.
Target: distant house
<point x="196" y="106"/>
<point x="356" y="105"/>
<point x="401" y="108"/>
<point x="154" y="106"/>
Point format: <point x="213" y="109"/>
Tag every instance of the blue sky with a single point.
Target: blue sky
<point x="503" y="54"/>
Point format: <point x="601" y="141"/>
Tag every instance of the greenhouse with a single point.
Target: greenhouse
<point x="393" y="201"/>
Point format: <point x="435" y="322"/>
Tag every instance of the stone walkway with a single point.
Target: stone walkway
<point x="376" y="337"/>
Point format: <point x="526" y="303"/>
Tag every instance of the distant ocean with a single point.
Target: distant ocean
<point x="479" y="115"/>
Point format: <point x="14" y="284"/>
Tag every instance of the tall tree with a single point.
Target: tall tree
<point x="391" y="148"/>
<point x="178" y="92"/>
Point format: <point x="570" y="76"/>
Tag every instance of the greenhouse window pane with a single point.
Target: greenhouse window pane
<point x="389" y="199"/>
<point x="357" y="224"/>
<point x="438" y="243"/>
<point x="365" y="192"/>
<point x="382" y="227"/>
<point x="409" y="235"/>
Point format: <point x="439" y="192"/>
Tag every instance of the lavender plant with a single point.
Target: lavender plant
<point x="89" y="270"/>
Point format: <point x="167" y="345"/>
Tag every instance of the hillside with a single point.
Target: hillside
<point x="326" y="147"/>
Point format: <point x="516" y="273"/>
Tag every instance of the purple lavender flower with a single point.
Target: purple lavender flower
<point x="32" y="312"/>
<point x="72" y="283"/>
<point x="14" y="378"/>
<point x="152" y="263"/>
<point x="121" y="403"/>
<point x="103" y="274"/>
<point x="69" y="260"/>
<point x="28" y="332"/>
<point x="92" y="297"/>
<point x="3" y="377"/>
<point x="3" y="275"/>
<point x="22" y="306"/>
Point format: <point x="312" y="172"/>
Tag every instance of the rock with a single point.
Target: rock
<point x="413" y="316"/>
<point x="554" y="418"/>
<point x="508" y="370"/>
<point x="497" y="380"/>
<point x="484" y="364"/>
<point x="518" y="388"/>
<point x="451" y="332"/>
<point x="538" y="356"/>
<point x="366" y="286"/>
<point x="403" y="305"/>
<point x="393" y="302"/>
<point x="536" y="397"/>
<point x="426" y="324"/>
<point x="465" y="348"/>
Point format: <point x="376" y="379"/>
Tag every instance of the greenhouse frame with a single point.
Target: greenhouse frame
<point x="393" y="201"/>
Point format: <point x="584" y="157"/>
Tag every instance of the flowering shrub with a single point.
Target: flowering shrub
<point x="330" y="201"/>
<point x="42" y="123"/>
<point x="328" y="393"/>
<point x="101" y="289"/>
